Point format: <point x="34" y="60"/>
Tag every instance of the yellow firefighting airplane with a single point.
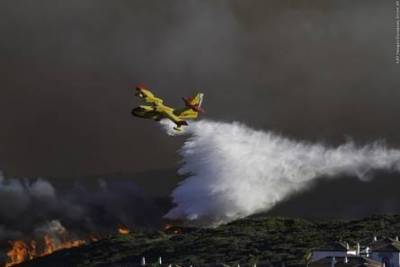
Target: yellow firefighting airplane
<point x="156" y="110"/>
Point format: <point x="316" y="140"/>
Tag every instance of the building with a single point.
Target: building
<point x="347" y="261"/>
<point x="386" y="251"/>
<point x="334" y="249"/>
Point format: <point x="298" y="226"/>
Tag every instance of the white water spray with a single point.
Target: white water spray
<point x="234" y="171"/>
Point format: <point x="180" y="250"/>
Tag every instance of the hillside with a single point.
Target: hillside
<point x="265" y="239"/>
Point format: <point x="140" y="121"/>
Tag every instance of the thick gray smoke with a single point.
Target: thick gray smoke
<point x="31" y="208"/>
<point x="234" y="171"/>
<point x="26" y="205"/>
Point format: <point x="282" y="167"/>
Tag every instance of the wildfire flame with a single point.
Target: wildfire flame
<point x="167" y="226"/>
<point x="122" y="230"/>
<point x="172" y="229"/>
<point x="20" y="250"/>
<point x="93" y="238"/>
<point x="18" y="253"/>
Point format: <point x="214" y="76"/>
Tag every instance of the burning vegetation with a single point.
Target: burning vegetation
<point x="172" y="229"/>
<point x="22" y="251"/>
<point x="53" y="237"/>
<point x="123" y="230"/>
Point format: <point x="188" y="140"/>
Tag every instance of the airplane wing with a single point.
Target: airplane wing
<point x="157" y="110"/>
<point x="144" y="93"/>
<point x="178" y="121"/>
<point x="147" y="112"/>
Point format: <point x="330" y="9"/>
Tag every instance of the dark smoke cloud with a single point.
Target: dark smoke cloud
<point x="27" y="205"/>
<point x="348" y="197"/>
<point x="32" y="208"/>
<point x="305" y="68"/>
<point x="311" y="70"/>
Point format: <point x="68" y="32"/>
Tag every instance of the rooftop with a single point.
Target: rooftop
<point x="386" y="244"/>
<point x="351" y="261"/>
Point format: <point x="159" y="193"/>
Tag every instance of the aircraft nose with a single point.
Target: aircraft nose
<point x="137" y="111"/>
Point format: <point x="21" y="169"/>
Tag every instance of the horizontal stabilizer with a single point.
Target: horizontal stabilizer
<point x="141" y="86"/>
<point x="194" y="103"/>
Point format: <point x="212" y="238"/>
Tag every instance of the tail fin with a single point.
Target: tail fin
<point x="194" y="102"/>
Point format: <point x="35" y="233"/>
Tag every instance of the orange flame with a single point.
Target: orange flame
<point x="122" y="230"/>
<point x="172" y="229"/>
<point x="48" y="245"/>
<point x="93" y="238"/>
<point x="21" y="252"/>
<point x="167" y="226"/>
<point x="32" y="250"/>
<point x="18" y="253"/>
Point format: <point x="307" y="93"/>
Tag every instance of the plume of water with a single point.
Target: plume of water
<point x="233" y="171"/>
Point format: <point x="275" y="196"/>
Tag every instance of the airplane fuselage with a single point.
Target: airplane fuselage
<point x="156" y="110"/>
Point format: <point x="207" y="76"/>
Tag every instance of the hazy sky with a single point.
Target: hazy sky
<point x="311" y="70"/>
